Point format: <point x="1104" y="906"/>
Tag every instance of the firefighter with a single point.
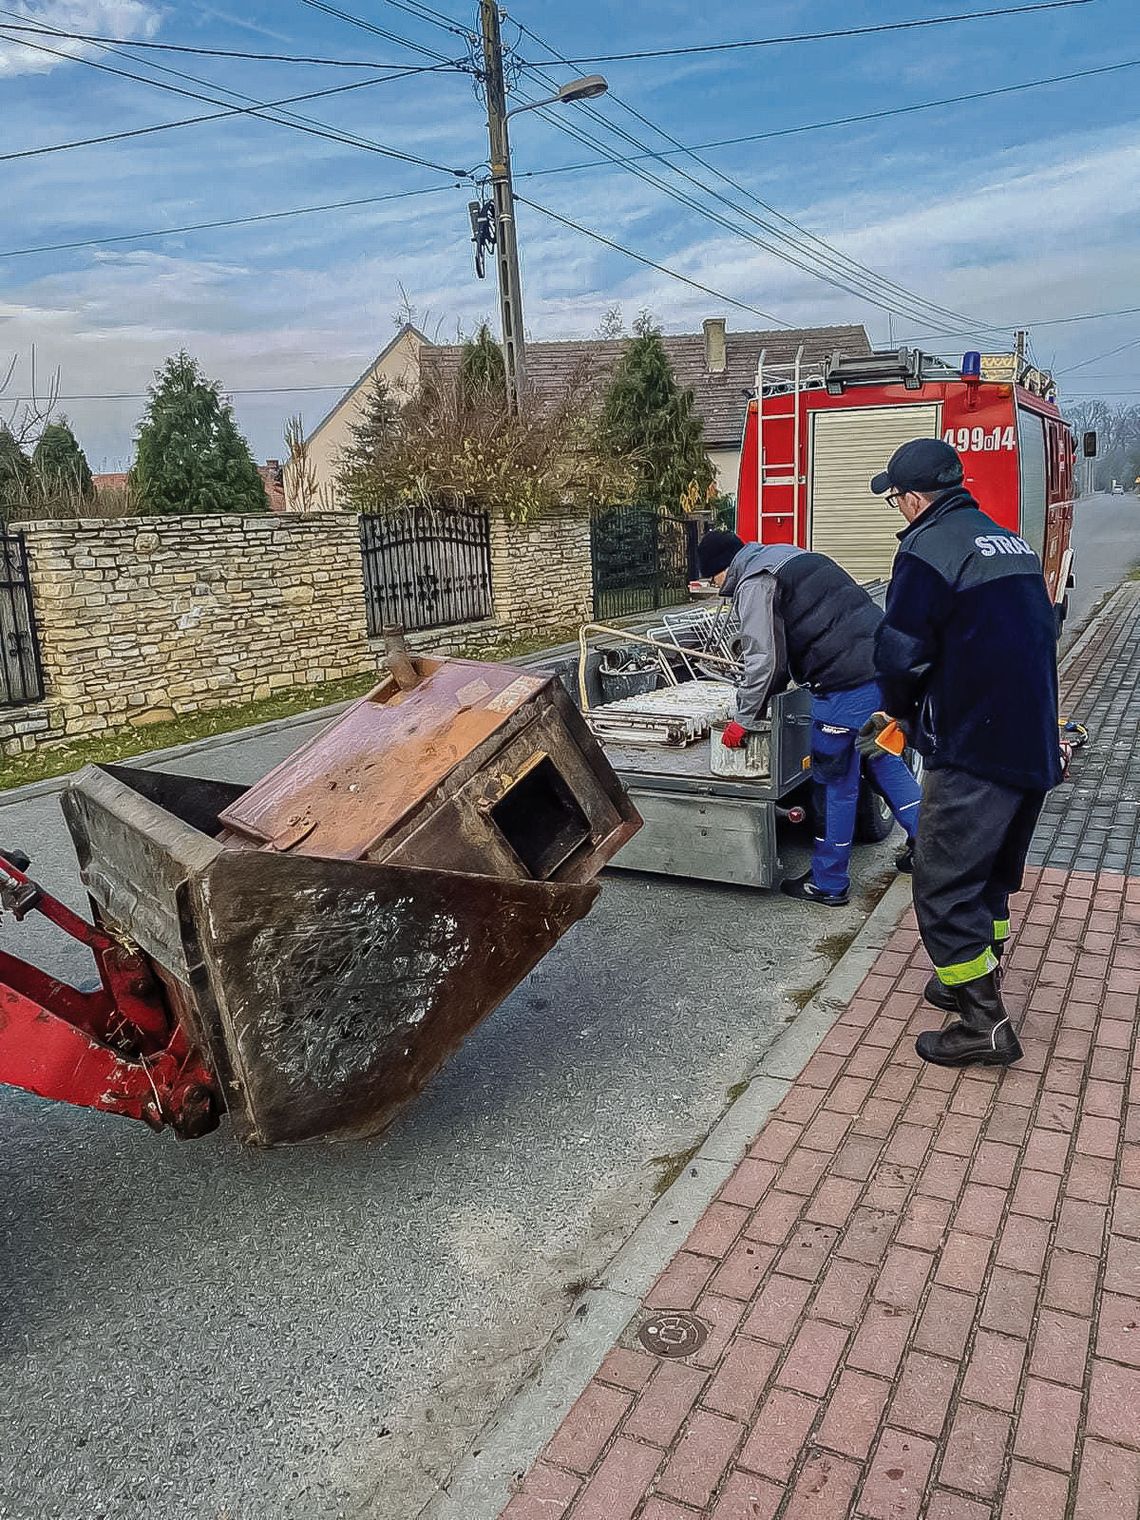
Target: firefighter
<point x="966" y="657"/>
<point x="801" y="615"/>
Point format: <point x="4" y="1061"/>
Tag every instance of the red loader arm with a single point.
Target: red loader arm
<point x="116" y="1048"/>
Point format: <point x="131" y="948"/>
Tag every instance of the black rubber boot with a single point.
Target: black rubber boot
<point x="983" y="1037"/>
<point x="939" y="996"/>
<point x="806" y="890"/>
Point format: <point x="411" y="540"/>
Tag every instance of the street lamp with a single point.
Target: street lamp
<point x="587" y="88"/>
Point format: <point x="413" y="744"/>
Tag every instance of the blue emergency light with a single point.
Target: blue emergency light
<point x="971" y="365"/>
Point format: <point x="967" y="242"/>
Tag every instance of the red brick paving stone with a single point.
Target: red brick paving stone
<point x="975" y="1452"/>
<point x="773" y="1446"/>
<point x="722" y="1315"/>
<point x="777" y="1141"/>
<point x="1008" y="1126"/>
<point x="746" y="1497"/>
<point x="1010" y="1302"/>
<point x="1023" y="1243"/>
<point x="546" y="1494"/>
<point x="1046" y="1151"/>
<point x="1058" y="1111"/>
<point x="1108" y="1487"/>
<point x="826" y="1132"/>
<point x="884" y="1034"/>
<point x="628" y="1369"/>
<point x="824" y="1490"/>
<point x="963" y="1262"/>
<point x="877" y="1118"/>
<point x="741" y="1378"/>
<point x="619" y="1485"/>
<point x="1060" y="1350"/>
<point x="924" y="1394"/>
<point x="890" y="1187"/>
<point x="995" y="1165"/>
<point x="1114" y="1404"/>
<point x="896" y="1082"/>
<point x="814" y="1355"/>
<point x="1114" y="1034"/>
<point x="798" y="1105"/>
<point x="924" y="1223"/>
<point x="1033" y="1494"/>
<point x="903" y="1277"/>
<point x="1123" y="1272"/>
<point x="944" y="1506"/>
<point x="821" y="1071"/>
<point x="1109" y="1065"/>
<point x="661" y="1509"/>
<point x="853" y="1414"/>
<point x="1118" y="1329"/>
<point x="1098" y="1137"/>
<point x="1035" y="1194"/>
<point x="679" y="1286"/>
<point x="700" y="1458"/>
<point x="897" y="1477"/>
<point x="777" y="1309"/>
<point x="774" y="1219"/>
<point x="958" y="1135"/>
<point x="945" y="1324"/>
<point x="743" y="1268"/>
<point x="943" y="1176"/>
<point x="880" y="1340"/>
<point x="1081" y="1227"/>
<point x="993" y="1373"/>
<point x="807" y="1252"/>
<point x="980" y="1211"/>
<point x="843" y="1039"/>
<point x="802" y="1171"/>
<point x="1103" y="1099"/>
<point x="583" y="1434"/>
<point x="717" y="1228"/>
<point x="843" y="1292"/>
<point x="748" y="1183"/>
<point x="1071" y="1282"/>
<point x="833" y="1201"/>
<point x="849" y="1094"/>
<point x="972" y="1097"/>
<point x="856" y="1158"/>
<point x="665" y="1405"/>
<point x="1130" y="1166"/>
<point x="1047" y="1425"/>
<point x="868" y="1061"/>
<point x="867" y="1236"/>
<point x="1090" y="1178"/>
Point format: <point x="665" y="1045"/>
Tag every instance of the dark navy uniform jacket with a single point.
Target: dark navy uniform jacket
<point x="966" y="653"/>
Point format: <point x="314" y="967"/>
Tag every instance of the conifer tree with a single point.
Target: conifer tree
<point x="60" y="464"/>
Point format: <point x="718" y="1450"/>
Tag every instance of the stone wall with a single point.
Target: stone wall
<point x="149" y="619"/>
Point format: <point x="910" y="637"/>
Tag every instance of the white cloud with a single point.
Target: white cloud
<point x="128" y="19"/>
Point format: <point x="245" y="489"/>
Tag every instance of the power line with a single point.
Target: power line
<point x="233" y="221"/>
<point x="1135" y="343"/>
<point x="201" y="52"/>
<point x="376" y="31"/>
<point x="843" y="121"/>
<point x="650" y="263"/>
<point x="851" y="31"/>
<point x="258" y="109"/>
<point x="873" y="286"/>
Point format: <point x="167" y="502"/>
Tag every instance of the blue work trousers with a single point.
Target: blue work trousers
<point x="836" y="718"/>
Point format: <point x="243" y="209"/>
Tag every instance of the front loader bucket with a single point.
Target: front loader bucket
<point x="327" y="937"/>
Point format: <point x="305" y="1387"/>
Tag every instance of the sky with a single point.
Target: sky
<point x="1017" y="209"/>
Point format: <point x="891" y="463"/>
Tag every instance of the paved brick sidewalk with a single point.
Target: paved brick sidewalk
<point x="922" y="1287"/>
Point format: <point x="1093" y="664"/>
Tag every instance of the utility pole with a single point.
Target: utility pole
<point x="506" y="244"/>
<point x="1020" y="340"/>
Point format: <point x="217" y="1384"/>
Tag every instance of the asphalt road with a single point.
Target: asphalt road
<point x="1106" y="543"/>
<point x="195" y="1332"/>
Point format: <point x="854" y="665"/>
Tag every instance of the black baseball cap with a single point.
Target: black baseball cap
<point x="923" y="464"/>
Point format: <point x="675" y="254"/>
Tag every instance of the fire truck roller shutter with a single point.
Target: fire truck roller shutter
<point x="1031" y="472"/>
<point x="848" y="446"/>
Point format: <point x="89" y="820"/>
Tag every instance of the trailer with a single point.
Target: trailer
<point x="815" y="434"/>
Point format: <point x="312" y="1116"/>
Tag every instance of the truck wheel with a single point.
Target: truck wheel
<point x="873" y="818"/>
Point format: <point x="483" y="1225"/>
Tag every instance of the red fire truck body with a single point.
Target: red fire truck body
<point x="822" y="433"/>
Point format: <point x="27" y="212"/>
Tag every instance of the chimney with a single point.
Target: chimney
<point x="714" y="345"/>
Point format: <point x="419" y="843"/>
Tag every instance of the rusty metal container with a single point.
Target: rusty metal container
<point x="331" y="934"/>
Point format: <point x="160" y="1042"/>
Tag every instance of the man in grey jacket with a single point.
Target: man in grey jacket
<point x="803" y="617"/>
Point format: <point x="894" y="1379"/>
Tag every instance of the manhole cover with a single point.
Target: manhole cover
<point x="674" y="1334"/>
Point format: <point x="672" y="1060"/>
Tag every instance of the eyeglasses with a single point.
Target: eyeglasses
<point x="894" y="499"/>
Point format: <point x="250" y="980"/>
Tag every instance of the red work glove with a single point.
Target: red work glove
<point x="733" y="736"/>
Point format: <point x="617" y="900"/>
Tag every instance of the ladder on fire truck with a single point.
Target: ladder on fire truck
<point x="781" y="385"/>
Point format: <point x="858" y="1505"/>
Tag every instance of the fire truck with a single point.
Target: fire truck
<point x="814" y="435"/>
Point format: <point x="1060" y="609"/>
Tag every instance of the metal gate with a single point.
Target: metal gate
<point x="426" y="567"/>
<point x="642" y="558"/>
<point x="21" y="673"/>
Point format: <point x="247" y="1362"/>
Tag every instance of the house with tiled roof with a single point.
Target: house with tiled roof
<point x="718" y="365"/>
